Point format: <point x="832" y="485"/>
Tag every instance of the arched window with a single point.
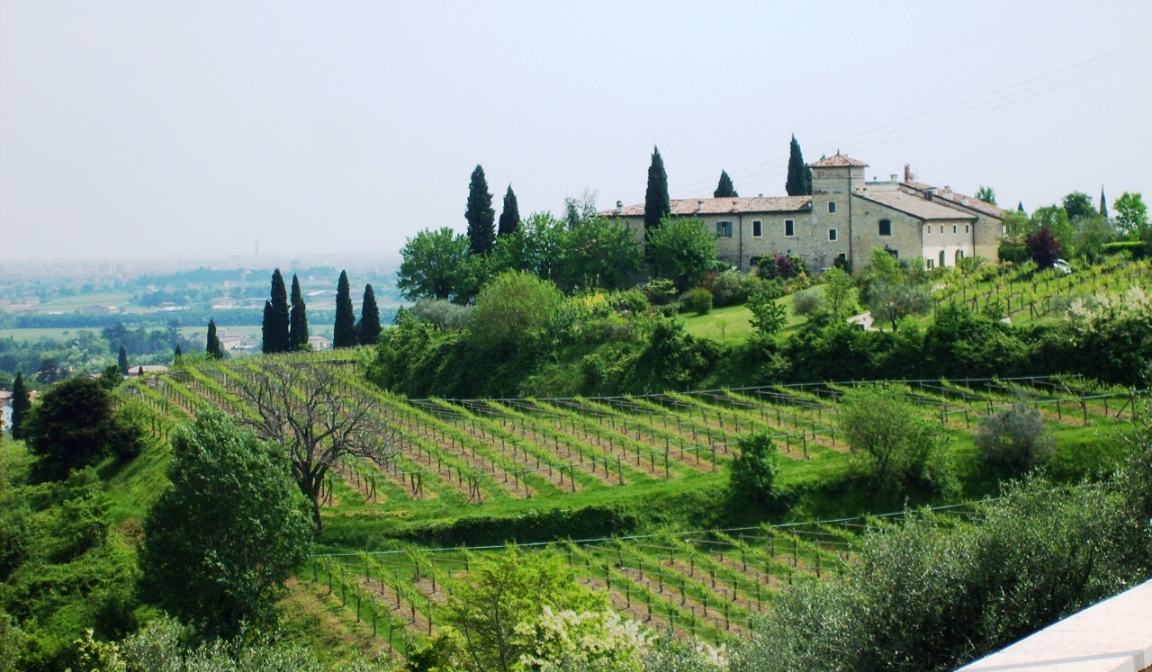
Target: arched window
<point x="941" y="258"/>
<point x="959" y="256"/>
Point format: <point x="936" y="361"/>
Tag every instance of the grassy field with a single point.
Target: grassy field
<point x="474" y="472"/>
<point x="731" y="324"/>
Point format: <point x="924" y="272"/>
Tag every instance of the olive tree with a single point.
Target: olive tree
<point x="892" y="303"/>
<point x="1014" y="439"/>
<point x="889" y="435"/>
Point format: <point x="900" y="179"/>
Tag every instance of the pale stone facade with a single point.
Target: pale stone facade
<point x="845" y="217"/>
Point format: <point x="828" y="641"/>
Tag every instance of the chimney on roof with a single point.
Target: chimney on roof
<point x="699" y="205"/>
<point x="619" y="206"/>
<point x="735" y="205"/>
<point x="907" y="172"/>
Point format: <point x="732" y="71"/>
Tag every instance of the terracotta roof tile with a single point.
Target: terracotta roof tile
<point x="719" y="206"/>
<point x="914" y="205"/>
<point x="838" y="161"/>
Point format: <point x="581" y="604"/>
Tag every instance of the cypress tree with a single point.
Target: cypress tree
<point x="725" y="189"/>
<point x="368" y="330"/>
<point x="480" y="215"/>
<point x="656" y="202"/>
<point x="799" y="174"/>
<point x="123" y="360"/>
<point x="213" y="347"/>
<point x="298" y="320"/>
<point x="20" y="405"/>
<point x="510" y="216"/>
<point x="179" y="352"/>
<point x="344" y="331"/>
<point x="1020" y="206"/>
<point x="268" y="330"/>
<point x="276" y="317"/>
<point x="1103" y="204"/>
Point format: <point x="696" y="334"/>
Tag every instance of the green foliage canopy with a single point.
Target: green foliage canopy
<point x="219" y="544"/>
<point x="683" y="250"/>
<point x="513" y="308"/>
<point x="890" y="436"/>
<point x="431" y="264"/>
<point x="74" y="427"/>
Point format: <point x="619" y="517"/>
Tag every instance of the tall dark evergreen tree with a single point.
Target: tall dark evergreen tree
<point x="276" y="317"/>
<point x="344" y="331"/>
<point x="799" y="174"/>
<point x="1103" y="204"/>
<point x="1020" y="206"/>
<point x="213" y="347"/>
<point x="298" y="320"/>
<point x="122" y="360"/>
<point x="368" y="329"/>
<point x="510" y="215"/>
<point x="480" y="215"/>
<point x="656" y="202"/>
<point x="179" y="352"/>
<point x="21" y="404"/>
<point x="725" y="189"/>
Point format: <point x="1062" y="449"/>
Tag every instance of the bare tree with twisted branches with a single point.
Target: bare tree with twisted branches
<point x="316" y="417"/>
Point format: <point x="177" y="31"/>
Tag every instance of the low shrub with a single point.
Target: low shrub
<point x="697" y="300"/>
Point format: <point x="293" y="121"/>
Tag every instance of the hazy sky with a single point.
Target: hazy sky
<point x="131" y="129"/>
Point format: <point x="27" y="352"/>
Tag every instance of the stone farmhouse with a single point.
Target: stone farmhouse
<point x="844" y="218"/>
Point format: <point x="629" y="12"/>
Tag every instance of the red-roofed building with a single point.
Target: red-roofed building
<point x="844" y="218"/>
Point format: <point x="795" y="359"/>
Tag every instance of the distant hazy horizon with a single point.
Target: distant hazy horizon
<point x="132" y="130"/>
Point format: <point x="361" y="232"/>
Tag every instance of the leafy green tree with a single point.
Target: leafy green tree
<point x="21" y="404"/>
<point x="480" y="215"/>
<point x="889" y="435"/>
<point x="510" y="215"/>
<point x="1044" y="248"/>
<point x="579" y="211"/>
<point x="122" y="360"/>
<point x="298" y="319"/>
<point x="683" y="250"/>
<point x="1014" y="439"/>
<point x="892" y="303"/>
<point x="538" y="247"/>
<point x="512" y="308"/>
<point x="1055" y="219"/>
<point x="222" y="540"/>
<point x="799" y="182"/>
<point x="986" y="194"/>
<point x="1131" y="214"/>
<point x="213" y="347"/>
<point x="276" y="317"/>
<point x="495" y="606"/>
<point x="1017" y="225"/>
<point x="657" y="205"/>
<point x="431" y="264"/>
<point x="344" y="331"/>
<point x="753" y="473"/>
<point x="839" y="292"/>
<point x="600" y="253"/>
<point x="1078" y="204"/>
<point x="111" y="377"/>
<point x="725" y="188"/>
<point x="768" y="316"/>
<point x="74" y="427"/>
<point x="368" y="330"/>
